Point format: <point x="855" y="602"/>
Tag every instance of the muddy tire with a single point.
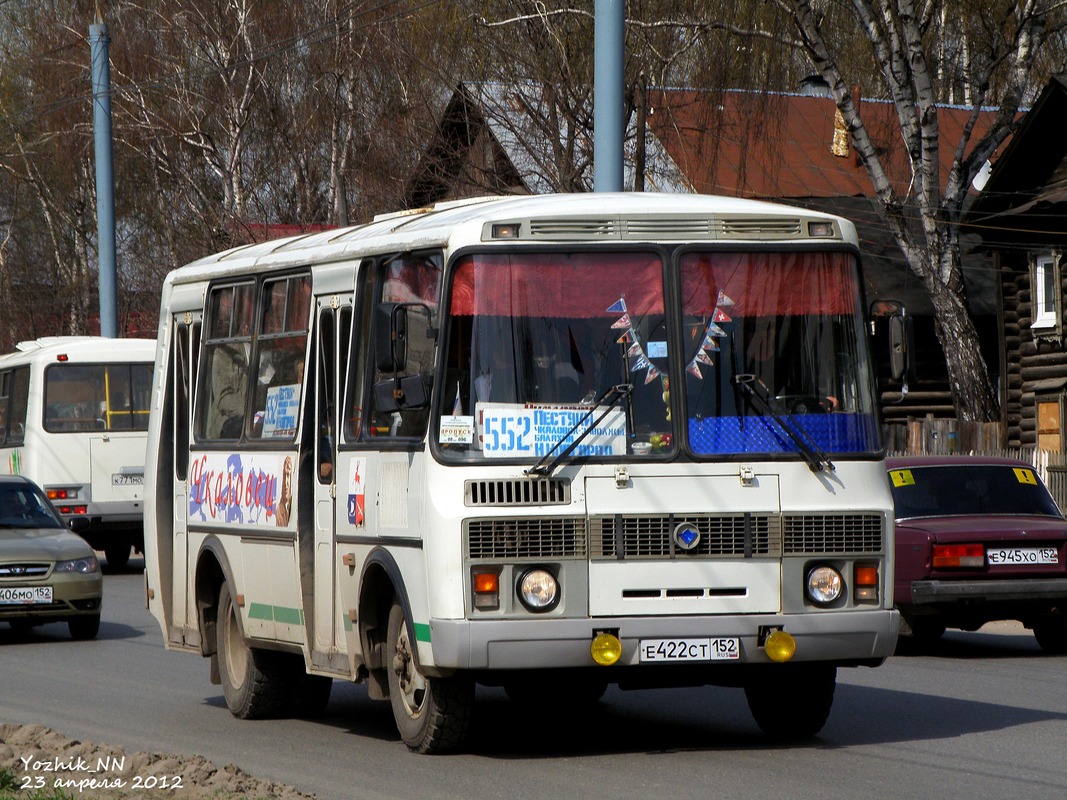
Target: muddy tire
<point x="433" y="715"/>
<point x="792" y="701"/>
<point x="253" y="680"/>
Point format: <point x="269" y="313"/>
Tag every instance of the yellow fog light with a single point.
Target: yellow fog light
<point x="606" y="649"/>
<point x="780" y="646"/>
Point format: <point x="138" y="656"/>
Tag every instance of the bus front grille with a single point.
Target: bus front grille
<point x="626" y="536"/>
<point x="517" y="492"/>
<point x="832" y="533"/>
<point x="526" y="537"/>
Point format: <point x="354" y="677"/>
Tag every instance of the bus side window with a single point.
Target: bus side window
<point x="357" y="358"/>
<point x="5" y="401"/>
<point x="414" y="279"/>
<point x="227" y="348"/>
<point x="281" y="353"/>
<point x="326" y="392"/>
<point x="19" y="406"/>
<point x="181" y="386"/>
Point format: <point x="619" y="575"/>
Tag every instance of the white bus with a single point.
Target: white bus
<point x="74" y="419"/>
<point x="547" y="443"/>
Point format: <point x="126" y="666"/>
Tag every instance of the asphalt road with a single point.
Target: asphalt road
<point x="980" y="715"/>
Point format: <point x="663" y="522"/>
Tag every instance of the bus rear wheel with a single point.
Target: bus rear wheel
<point x="253" y="680"/>
<point x="433" y="715"/>
<point x="792" y="701"/>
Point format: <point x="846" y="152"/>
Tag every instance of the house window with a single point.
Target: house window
<point x="1046" y="291"/>
<point x="1049" y="425"/>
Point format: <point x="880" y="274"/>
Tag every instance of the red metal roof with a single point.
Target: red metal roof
<point x="751" y="144"/>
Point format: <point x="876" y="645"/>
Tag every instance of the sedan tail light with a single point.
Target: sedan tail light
<point x="958" y="555"/>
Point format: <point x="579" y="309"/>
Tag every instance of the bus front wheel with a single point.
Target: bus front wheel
<point x="792" y="701"/>
<point x="432" y="714"/>
<point x="253" y="680"/>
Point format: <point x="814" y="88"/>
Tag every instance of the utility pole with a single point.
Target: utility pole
<point x="607" y="96"/>
<point x="99" y="42"/>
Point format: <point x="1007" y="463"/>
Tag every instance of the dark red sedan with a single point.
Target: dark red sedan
<point x="978" y="539"/>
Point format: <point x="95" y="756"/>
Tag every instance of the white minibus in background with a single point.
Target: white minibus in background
<point x="73" y="419"/>
<point x="548" y="443"/>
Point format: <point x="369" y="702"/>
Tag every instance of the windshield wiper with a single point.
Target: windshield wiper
<point x="755" y="389"/>
<point x="616" y="393"/>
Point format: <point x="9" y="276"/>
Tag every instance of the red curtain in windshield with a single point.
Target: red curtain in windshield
<point x="769" y="284"/>
<point x="557" y="284"/>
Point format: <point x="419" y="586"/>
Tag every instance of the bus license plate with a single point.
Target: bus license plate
<point x="25" y="595"/>
<point x="721" y="649"/>
<point x="1022" y="555"/>
<point x="118" y="479"/>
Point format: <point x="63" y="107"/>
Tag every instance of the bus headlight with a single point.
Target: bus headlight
<point x="538" y="590"/>
<point x="824" y="585"/>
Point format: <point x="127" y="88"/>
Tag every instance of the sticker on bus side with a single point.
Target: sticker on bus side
<point x="509" y="430"/>
<point x="356" y="493"/>
<point x="241" y="488"/>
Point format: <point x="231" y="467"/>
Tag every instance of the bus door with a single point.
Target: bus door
<point x="398" y="333"/>
<point x="329" y="349"/>
<point x="184" y="348"/>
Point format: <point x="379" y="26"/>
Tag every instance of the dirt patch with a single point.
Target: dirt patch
<point x="44" y="762"/>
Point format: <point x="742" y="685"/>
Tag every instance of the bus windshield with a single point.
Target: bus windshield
<point x="81" y="398"/>
<point x="775" y="353"/>
<point x="770" y="345"/>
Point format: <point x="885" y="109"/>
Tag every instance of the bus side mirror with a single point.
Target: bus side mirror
<point x="390" y="337"/>
<point x="900" y="346"/>
<point x="401" y="394"/>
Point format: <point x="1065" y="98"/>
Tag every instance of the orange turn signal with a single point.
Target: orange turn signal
<point x="486" y="587"/>
<point x="866" y="575"/>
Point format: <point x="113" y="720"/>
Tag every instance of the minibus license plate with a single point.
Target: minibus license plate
<point x="25" y="595"/>
<point x="721" y="649"/>
<point x="119" y="479"/>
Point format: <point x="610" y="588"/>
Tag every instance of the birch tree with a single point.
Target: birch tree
<point x="1003" y="41"/>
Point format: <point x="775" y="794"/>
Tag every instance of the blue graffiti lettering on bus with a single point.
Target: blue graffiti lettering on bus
<point x="232" y="494"/>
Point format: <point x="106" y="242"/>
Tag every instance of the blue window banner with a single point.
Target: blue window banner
<point x="833" y="433"/>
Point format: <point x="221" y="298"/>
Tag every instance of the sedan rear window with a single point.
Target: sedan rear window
<point x="963" y="490"/>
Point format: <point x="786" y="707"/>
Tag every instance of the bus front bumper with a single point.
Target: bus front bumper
<point x="853" y="637"/>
